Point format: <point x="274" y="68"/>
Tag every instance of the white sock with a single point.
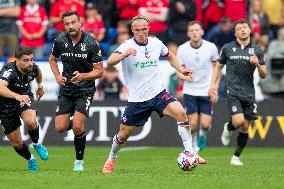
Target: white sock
<point x="116" y="145"/>
<point x="194" y="139"/>
<point x="185" y="134"/>
<point x="32" y="157"/>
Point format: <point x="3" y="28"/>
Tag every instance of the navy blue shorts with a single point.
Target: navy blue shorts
<point x="200" y="104"/>
<point x="137" y="113"/>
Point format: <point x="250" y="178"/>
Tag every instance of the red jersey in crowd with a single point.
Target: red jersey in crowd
<point x="32" y="19"/>
<point x="61" y="6"/>
<point x="155" y="7"/>
<point x="96" y="27"/>
<point x="127" y="8"/>
<point x="235" y="9"/>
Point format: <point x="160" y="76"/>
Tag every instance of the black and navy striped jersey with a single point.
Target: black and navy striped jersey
<point x="239" y="70"/>
<point x="77" y="57"/>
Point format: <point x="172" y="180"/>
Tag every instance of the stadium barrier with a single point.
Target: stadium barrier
<point x="104" y="120"/>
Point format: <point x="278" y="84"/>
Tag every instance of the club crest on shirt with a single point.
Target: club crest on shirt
<point x="251" y="51"/>
<point x="83" y="47"/>
<point x="234" y="108"/>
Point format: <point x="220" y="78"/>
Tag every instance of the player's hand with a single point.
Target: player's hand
<point x="213" y="94"/>
<point x="61" y="80"/>
<point x="188" y="73"/>
<point x="254" y="60"/>
<point x="130" y="51"/>
<point x="39" y="93"/>
<point x="77" y="77"/>
<point x="23" y="99"/>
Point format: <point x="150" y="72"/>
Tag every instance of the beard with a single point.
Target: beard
<point x="28" y="69"/>
<point x="73" y="33"/>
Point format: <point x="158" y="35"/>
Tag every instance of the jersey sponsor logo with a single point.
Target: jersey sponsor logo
<point x="239" y="57"/>
<point x="75" y="55"/>
<point x="146" y="64"/>
<point x="83" y="47"/>
<point x="251" y="51"/>
<point x="234" y="109"/>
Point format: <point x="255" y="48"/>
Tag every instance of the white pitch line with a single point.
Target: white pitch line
<point x="135" y="148"/>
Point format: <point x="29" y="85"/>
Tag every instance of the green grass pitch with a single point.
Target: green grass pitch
<point x="149" y="168"/>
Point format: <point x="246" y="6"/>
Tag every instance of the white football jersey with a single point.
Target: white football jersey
<point x="200" y="60"/>
<point x="141" y="72"/>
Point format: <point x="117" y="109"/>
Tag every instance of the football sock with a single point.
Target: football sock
<point x="80" y="142"/>
<point x="230" y="126"/>
<point x="23" y="151"/>
<point x="70" y="125"/>
<point x="204" y="131"/>
<point x="185" y="134"/>
<point x="241" y="143"/>
<point x="34" y="134"/>
<point x="116" y="145"/>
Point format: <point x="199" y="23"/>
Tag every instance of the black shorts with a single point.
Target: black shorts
<point x="247" y="106"/>
<point x="200" y="104"/>
<point x="10" y="116"/>
<point x="69" y="104"/>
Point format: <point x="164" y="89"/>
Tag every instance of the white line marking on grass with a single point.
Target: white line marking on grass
<point x="138" y="148"/>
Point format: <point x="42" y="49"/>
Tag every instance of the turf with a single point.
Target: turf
<point x="148" y="168"/>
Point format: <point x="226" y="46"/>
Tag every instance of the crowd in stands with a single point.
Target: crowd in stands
<point x="36" y="23"/>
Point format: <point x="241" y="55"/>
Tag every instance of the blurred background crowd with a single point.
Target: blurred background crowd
<point x="36" y="23"/>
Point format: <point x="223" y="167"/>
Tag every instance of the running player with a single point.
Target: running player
<point x="17" y="101"/>
<point x="241" y="58"/>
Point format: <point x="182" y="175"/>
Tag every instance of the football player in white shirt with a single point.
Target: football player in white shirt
<point x="140" y="65"/>
<point x="200" y="55"/>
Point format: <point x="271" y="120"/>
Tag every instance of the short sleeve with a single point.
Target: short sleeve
<point x="56" y="49"/>
<point x="122" y="48"/>
<point x="96" y="53"/>
<point x="223" y="57"/>
<point x="215" y="55"/>
<point x="7" y="74"/>
<point x="164" y="50"/>
<point x="180" y="56"/>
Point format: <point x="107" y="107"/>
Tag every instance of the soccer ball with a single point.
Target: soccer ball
<point x="187" y="161"/>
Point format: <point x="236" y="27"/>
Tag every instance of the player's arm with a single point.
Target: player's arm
<point x="96" y="73"/>
<point x="55" y="70"/>
<point x="39" y="91"/>
<point x="6" y="92"/>
<point x="116" y="57"/>
<point x="10" y="12"/>
<point x="262" y="71"/>
<point x="182" y="72"/>
<point x="213" y="90"/>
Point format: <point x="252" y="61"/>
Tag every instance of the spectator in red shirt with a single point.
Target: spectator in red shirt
<point x="127" y="8"/>
<point x="61" y="6"/>
<point x="213" y="11"/>
<point x="32" y="24"/>
<point x="94" y="24"/>
<point x="156" y="11"/>
<point x="236" y="9"/>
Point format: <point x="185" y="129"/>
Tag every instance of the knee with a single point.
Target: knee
<point x="30" y="124"/>
<point x="238" y="123"/>
<point x="181" y="115"/>
<point x="78" y="129"/>
<point x="60" y="128"/>
<point x="17" y="144"/>
<point x="204" y="125"/>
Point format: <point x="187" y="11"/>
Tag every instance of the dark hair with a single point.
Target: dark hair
<point x="241" y="21"/>
<point x="20" y="52"/>
<point x="139" y="17"/>
<point x="70" y="13"/>
<point x="194" y="22"/>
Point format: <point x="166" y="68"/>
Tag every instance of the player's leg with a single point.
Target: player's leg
<point x="205" y="122"/>
<point x="191" y="106"/>
<point x="236" y="121"/>
<point x="29" y="118"/>
<point x="205" y="109"/>
<point x="135" y="114"/>
<point x="22" y="149"/>
<point x="118" y="140"/>
<point x="176" y="111"/>
<point x="82" y="106"/>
